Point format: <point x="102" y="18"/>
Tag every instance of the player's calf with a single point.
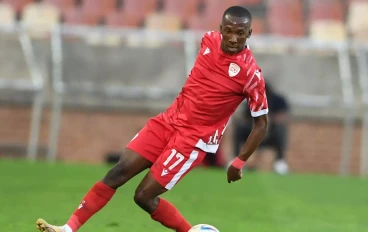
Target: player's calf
<point x="116" y="176"/>
<point x="146" y="196"/>
<point x="99" y="195"/>
<point x="129" y="165"/>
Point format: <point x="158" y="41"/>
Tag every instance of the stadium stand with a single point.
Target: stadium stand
<point x="331" y="20"/>
<point x="358" y="20"/>
<point x="62" y="5"/>
<point x="285" y="24"/>
<point x="326" y="20"/>
<point x="40" y="18"/>
<point x="17" y="5"/>
<point x="7" y="15"/>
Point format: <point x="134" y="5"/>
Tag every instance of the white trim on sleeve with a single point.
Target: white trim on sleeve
<point x="259" y="113"/>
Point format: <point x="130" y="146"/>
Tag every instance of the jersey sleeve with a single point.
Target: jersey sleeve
<point x="208" y="39"/>
<point x="255" y="93"/>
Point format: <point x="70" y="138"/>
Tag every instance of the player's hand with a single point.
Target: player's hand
<point x="233" y="174"/>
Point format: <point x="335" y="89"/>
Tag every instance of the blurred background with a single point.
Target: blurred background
<point x="79" y="78"/>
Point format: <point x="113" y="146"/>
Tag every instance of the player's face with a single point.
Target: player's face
<point x="235" y="32"/>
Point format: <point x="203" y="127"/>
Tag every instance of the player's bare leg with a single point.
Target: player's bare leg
<point x="147" y="197"/>
<point x="129" y="165"/>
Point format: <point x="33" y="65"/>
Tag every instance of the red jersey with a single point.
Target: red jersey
<point x="216" y="86"/>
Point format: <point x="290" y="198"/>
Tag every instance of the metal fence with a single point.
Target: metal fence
<point x="143" y="69"/>
<point x="21" y="77"/>
<point x="362" y="59"/>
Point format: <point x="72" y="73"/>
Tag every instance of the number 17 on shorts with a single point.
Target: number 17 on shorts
<point x="171" y="166"/>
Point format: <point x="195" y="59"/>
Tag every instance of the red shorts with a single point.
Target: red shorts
<point x="161" y="144"/>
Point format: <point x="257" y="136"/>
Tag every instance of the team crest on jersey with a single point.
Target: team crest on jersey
<point x="234" y="69"/>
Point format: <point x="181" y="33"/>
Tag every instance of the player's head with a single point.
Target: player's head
<point x="235" y="29"/>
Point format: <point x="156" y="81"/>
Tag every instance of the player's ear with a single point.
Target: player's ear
<point x="250" y="33"/>
<point x="220" y="27"/>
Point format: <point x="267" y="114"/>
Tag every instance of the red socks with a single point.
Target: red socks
<point x="100" y="194"/>
<point x="170" y="217"/>
<point x="95" y="199"/>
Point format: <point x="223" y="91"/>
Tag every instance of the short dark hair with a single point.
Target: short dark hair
<point x="237" y="11"/>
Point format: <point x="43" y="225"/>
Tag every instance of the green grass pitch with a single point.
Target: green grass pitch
<point x="258" y="203"/>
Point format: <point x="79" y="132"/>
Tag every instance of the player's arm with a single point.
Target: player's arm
<point x="255" y="138"/>
<point x="257" y="102"/>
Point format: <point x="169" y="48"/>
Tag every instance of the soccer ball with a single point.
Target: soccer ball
<point x="203" y="228"/>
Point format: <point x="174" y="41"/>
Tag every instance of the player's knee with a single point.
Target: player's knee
<point x="142" y="198"/>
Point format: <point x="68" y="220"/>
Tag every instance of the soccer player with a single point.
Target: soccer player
<point x="177" y="140"/>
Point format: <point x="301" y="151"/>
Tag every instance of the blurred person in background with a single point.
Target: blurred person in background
<point x="276" y="137"/>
